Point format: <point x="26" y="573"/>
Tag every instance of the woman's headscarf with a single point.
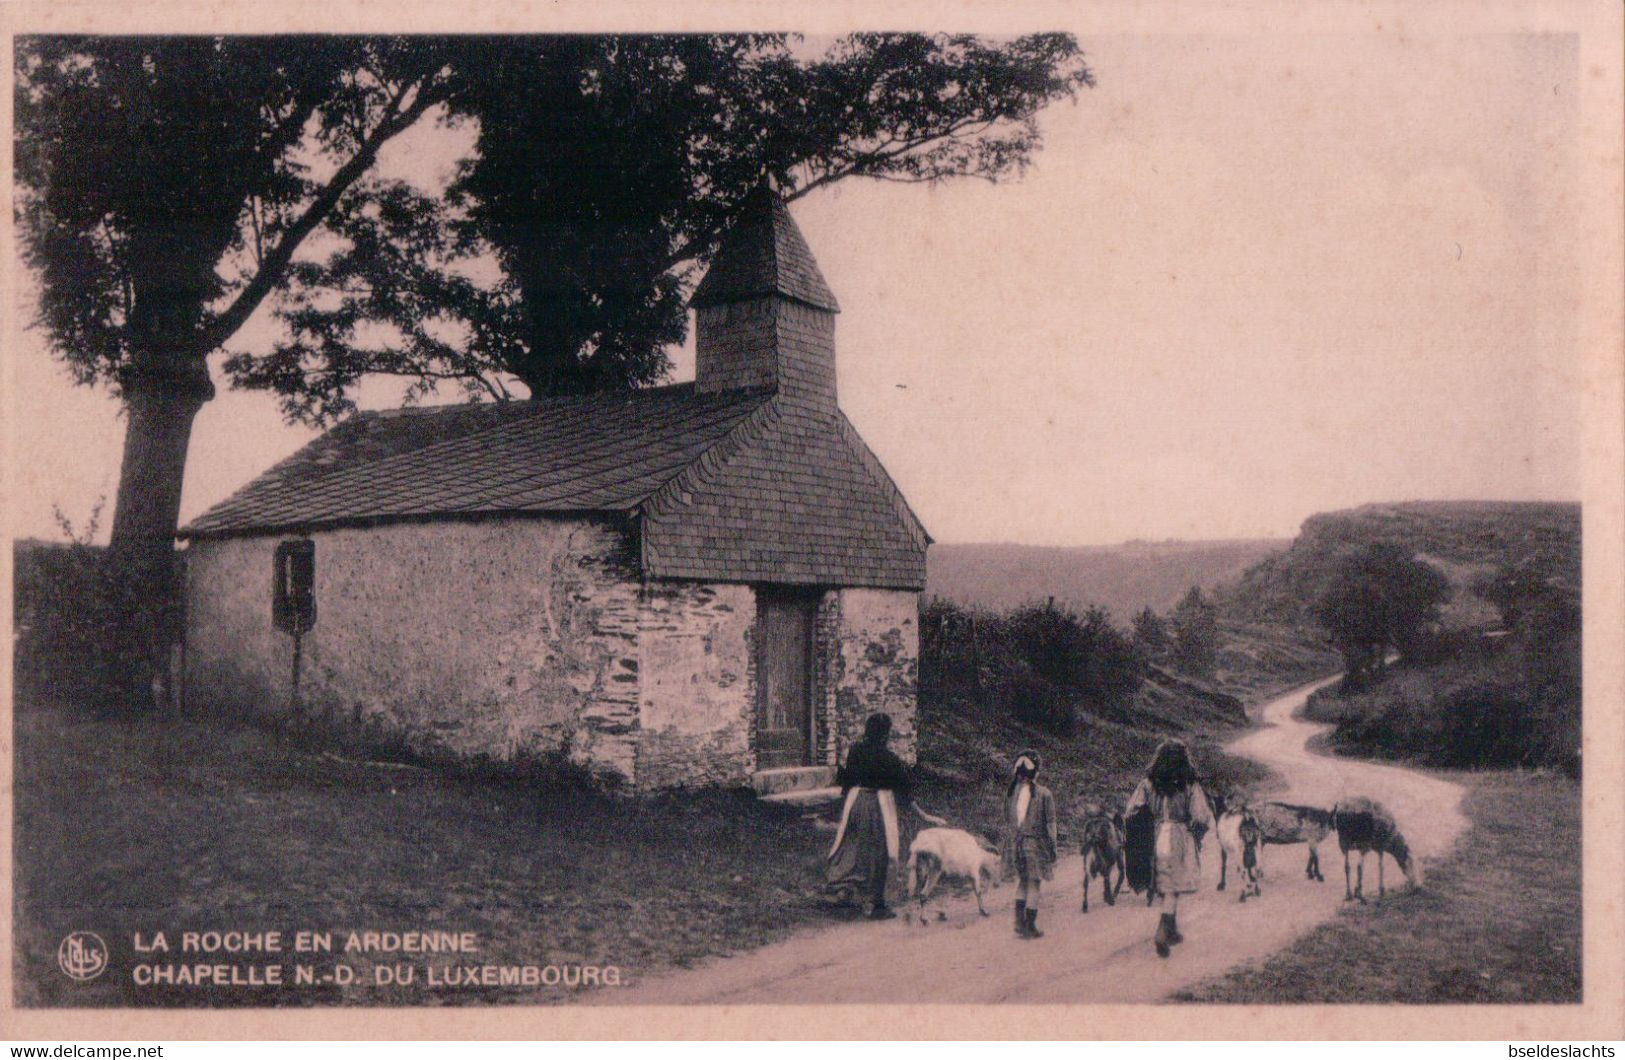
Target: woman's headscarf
<point x="877" y="728"/>
<point x="1025" y="767"/>
<point x="1171" y="768"/>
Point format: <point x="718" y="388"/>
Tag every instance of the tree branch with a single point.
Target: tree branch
<point x="222" y="327"/>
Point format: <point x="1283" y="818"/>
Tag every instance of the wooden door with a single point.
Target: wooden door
<point x="784" y="677"/>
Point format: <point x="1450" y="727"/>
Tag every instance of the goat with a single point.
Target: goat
<point x="1366" y="826"/>
<point x="1101" y="844"/>
<point x="939" y="852"/>
<point x="1240" y="837"/>
<point x="1285" y="822"/>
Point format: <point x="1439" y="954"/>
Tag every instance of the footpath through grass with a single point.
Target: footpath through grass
<point x="1498" y="922"/>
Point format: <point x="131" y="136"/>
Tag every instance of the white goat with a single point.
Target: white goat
<point x="939" y="852"/>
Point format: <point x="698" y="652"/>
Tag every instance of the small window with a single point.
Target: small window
<point x="293" y="592"/>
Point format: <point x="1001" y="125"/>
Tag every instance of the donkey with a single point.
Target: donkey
<point x="1366" y="826"/>
<point x="1285" y="822"/>
<point x="1101" y="844"/>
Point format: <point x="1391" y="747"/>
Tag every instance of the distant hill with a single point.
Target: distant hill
<point x="1121" y="578"/>
<point x="1462" y="538"/>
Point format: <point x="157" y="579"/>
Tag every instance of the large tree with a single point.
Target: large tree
<point x="604" y="173"/>
<point x="165" y="185"/>
<point x="168" y="183"/>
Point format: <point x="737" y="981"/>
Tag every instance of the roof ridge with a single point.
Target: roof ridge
<point x="763" y="252"/>
<point x="317" y="480"/>
<point x="663" y="500"/>
<point x="882" y="478"/>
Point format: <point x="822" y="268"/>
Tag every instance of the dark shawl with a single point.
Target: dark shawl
<point x="873" y="765"/>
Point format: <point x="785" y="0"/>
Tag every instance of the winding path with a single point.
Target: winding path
<point x="1106" y="955"/>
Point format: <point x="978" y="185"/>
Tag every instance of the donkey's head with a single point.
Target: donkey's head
<point x="1096" y="831"/>
<point x="1402" y="855"/>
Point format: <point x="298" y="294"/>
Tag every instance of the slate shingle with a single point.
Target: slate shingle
<point x="735" y="486"/>
<point x="764" y="253"/>
<point x="602" y="452"/>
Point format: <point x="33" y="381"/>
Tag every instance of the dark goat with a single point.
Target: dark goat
<point x="1240" y="839"/>
<point x="1366" y="826"/>
<point x="1102" y="848"/>
<point x="1285" y="822"/>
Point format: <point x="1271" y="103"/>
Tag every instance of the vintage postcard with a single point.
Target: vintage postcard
<point x="806" y="521"/>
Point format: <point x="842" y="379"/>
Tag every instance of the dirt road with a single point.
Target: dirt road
<point x="1101" y="956"/>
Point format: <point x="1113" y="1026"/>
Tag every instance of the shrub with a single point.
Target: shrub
<point x="1484" y="708"/>
<point x="1035" y="701"/>
<point x="1196" y="636"/>
<point x="1042" y="664"/>
<point x="59" y="614"/>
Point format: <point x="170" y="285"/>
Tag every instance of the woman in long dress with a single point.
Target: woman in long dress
<point x="873" y="781"/>
<point x="1180" y="807"/>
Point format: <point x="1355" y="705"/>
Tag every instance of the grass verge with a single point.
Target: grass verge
<point x="1498" y="922"/>
<point x="192" y="826"/>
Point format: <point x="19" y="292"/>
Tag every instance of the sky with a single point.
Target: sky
<point x="1245" y="280"/>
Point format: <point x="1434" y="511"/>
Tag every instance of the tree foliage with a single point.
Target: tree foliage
<point x="1151" y="632"/>
<point x="1381" y="600"/>
<point x="1196" y="637"/>
<point x="604" y="173"/>
<point x="166" y="182"/>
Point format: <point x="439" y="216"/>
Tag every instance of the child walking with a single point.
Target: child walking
<point x="1030" y="840"/>
<point x="1172" y="794"/>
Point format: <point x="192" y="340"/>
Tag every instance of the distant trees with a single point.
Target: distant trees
<point x="1381" y="600"/>
<point x="1196" y="637"/>
<point x="1529" y="599"/>
<point x="1151" y="632"/>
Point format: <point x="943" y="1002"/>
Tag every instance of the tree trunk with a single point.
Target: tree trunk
<point x="140" y="581"/>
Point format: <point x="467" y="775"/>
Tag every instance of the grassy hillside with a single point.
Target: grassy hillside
<point x="1121" y="578"/>
<point x="966" y="749"/>
<point x="1464" y="700"/>
<point x="1464" y="539"/>
<point x="205" y="823"/>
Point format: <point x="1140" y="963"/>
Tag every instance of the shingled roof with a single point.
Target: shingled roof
<point x="763" y="254"/>
<point x="792" y="497"/>
<point x="605" y="452"/>
<point x="732" y="486"/>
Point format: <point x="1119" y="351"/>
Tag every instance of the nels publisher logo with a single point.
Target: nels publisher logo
<point x="82" y="956"/>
